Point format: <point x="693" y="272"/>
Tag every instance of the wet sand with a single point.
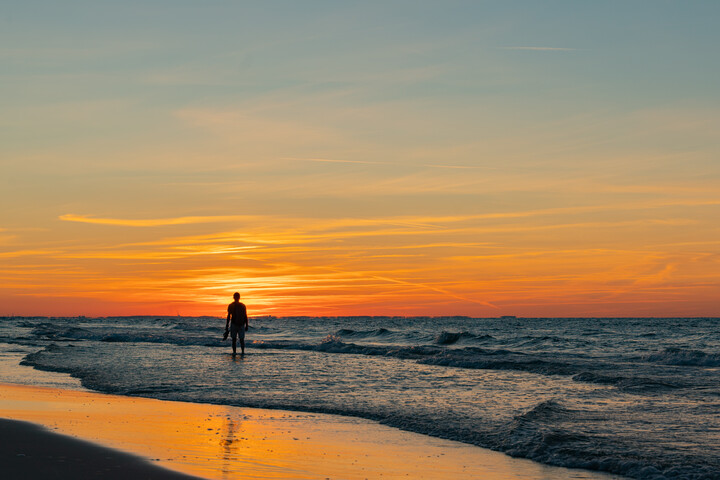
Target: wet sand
<point x="220" y="442"/>
<point x="29" y="451"/>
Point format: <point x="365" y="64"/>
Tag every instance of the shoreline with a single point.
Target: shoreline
<point x="219" y="442"/>
<point x="28" y="450"/>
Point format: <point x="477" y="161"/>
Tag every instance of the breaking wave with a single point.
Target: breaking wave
<point x="545" y="434"/>
<point x="684" y="357"/>
<point x="450" y="338"/>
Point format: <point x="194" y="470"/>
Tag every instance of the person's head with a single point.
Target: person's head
<point x="236" y="296"/>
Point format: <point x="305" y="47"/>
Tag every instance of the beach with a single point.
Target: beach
<point x="221" y="442"/>
<point x="30" y="451"/>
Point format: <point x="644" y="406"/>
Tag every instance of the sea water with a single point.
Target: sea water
<point x="632" y="396"/>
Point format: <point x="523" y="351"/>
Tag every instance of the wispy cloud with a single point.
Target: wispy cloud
<point x="152" y="222"/>
<point x="277" y="226"/>
<point x="460" y="167"/>
<point x="23" y="253"/>
<point x="334" y="160"/>
<point x="438" y="290"/>
<point x="370" y="162"/>
<point x="541" y="49"/>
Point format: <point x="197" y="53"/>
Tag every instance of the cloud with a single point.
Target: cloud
<point x="370" y="162"/>
<point x="245" y="126"/>
<point x="151" y="222"/>
<point x="332" y="160"/>
<point x="23" y="253"/>
<point x="438" y="290"/>
<point x="542" y="49"/>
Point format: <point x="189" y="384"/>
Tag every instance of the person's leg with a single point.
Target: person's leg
<point x="234" y="333"/>
<point x="241" y="335"/>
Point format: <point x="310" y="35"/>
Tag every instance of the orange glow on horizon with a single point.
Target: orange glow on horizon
<point x="386" y="266"/>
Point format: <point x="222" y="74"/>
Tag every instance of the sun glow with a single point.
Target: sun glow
<point x="400" y="265"/>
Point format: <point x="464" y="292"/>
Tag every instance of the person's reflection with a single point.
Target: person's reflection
<point x="230" y="446"/>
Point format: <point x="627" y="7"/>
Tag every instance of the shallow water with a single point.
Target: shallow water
<point x="638" y="397"/>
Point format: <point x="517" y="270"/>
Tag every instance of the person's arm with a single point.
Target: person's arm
<point x="227" y="322"/>
<point x="247" y="323"/>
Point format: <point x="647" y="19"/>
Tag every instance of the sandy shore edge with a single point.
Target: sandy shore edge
<point x="29" y="451"/>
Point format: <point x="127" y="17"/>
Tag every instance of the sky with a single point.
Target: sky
<point x="480" y="158"/>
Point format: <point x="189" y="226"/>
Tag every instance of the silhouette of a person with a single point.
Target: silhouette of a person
<point x="237" y="312"/>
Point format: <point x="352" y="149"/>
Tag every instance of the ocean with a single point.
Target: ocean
<point x="638" y="397"/>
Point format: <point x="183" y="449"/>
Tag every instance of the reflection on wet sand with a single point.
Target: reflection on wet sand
<point x="222" y="442"/>
<point x="229" y="445"/>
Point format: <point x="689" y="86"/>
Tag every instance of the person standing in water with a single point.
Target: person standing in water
<point x="237" y="312"/>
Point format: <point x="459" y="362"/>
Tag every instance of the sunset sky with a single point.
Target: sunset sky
<point x="483" y="158"/>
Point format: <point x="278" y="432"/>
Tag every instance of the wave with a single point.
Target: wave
<point x="684" y="357"/>
<point x="633" y="383"/>
<point x="450" y="338"/>
<point x="150" y="338"/>
<point x="385" y="335"/>
<point x="545" y="342"/>
<point x="437" y="354"/>
<point x="470" y="359"/>
<point x="333" y="344"/>
<point x="534" y="340"/>
<point x="52" y="331"/>
<point x="375" y="333"/>
<point x="448" y="349"/>
<point x="544" y="434"/>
